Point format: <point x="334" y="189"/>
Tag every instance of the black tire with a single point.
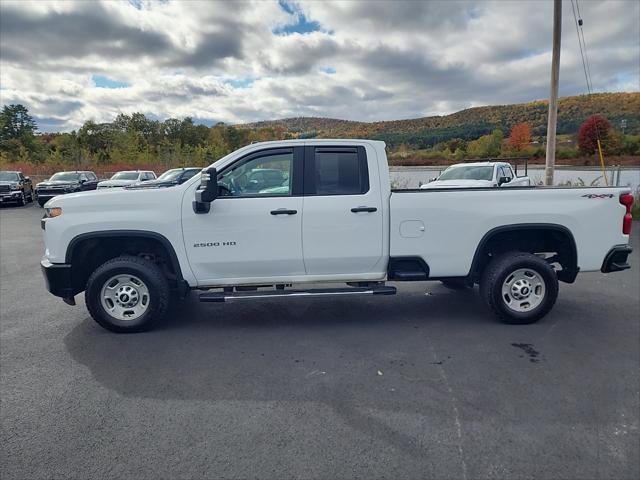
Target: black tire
<point x="22" y="201"/>
<point x="498" y="271"/>
<point x="149" y="273"/>
<point x="41" y="202"/>
<point x="456" y="284"/>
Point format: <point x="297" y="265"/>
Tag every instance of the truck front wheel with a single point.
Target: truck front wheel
<point x="519" y="287"/>
<point x="127" y="294"/>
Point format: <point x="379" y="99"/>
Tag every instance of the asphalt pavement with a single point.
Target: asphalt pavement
<point x="425" y="384"/>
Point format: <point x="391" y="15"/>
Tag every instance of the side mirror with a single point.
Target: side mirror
<point x="502" y="180"/>
<point x="433" y="179"/>
<point x="207" y="191"/>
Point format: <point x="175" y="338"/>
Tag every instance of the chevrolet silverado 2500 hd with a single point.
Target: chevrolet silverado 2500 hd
<point x="275" y="214"/>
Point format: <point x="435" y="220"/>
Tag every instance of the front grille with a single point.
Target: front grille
<point x="51" y="191"/>
<point x="5" y="188"/>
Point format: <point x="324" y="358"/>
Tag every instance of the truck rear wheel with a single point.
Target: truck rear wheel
<point x="127" y="294"/>
<point x="519" y="287"/>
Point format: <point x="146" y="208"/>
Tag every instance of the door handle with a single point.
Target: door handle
<point x="283" y="211"/>
<point x="364" y="209"/>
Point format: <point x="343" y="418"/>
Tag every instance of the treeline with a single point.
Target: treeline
<point x="485" y="132"/>
<point x="128" y="140"/>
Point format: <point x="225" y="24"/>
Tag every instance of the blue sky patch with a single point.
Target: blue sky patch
<point x="474" y="12"/>
<point x="104" y="82"/>
<point x="302" y="24"/>
<point x="329" y="70"/>
<point x="239" y="83"/>
<point x="284" y="5"/>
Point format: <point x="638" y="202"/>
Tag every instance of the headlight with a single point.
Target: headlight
<point x="52" y="212"/>
<point x="14" y="186"/>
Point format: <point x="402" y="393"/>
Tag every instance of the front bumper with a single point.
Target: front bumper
<point x="57" y="277"/>
<point x="13" y="196"/>
<point x="616" y="259"/>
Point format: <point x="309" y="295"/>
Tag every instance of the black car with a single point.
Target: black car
<point x="175" y="176"/>
<point x="15" y="188"/>
<point x="65" y="182"/>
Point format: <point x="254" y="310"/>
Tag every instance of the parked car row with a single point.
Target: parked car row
<point x="18" y="189"/>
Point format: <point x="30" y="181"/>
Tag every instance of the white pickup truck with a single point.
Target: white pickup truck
<point x="478" y="174"/>
<point x="275" y="214"/>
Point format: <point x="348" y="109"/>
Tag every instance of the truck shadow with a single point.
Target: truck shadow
<point x="356" y="357"/>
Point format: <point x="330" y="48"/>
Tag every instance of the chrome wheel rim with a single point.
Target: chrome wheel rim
<point x="125" y="297"/>
<point x="523" y="290"/>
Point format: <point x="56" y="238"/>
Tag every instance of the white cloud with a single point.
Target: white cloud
<point x="223" y="61"/>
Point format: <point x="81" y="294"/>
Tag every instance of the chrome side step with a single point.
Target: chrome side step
<point x="314" y="292"/>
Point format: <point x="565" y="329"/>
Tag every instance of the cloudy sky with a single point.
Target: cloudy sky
<point x="245" y="61"/>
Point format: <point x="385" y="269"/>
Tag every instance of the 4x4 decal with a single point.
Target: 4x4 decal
<point x="598" y="195"/>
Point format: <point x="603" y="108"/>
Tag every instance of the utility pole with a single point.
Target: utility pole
<point x="553" y="99"/>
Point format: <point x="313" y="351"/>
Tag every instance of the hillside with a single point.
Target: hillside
<point x="473" y="122"/>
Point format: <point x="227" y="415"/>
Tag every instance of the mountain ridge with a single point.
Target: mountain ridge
<point x="472" y="122"/>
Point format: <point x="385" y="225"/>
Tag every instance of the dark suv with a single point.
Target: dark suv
<point x="65" y="182"/>
<point x="15" y="188"/>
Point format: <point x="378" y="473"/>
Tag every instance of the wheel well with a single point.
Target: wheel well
<point x="555" y="242"/>
<point x="88" y="252"/>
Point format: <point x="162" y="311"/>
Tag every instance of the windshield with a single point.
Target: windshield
<point x="177" y="173"/>
<point x="65" y="176"/>
<point x="125" y="176"/>
<point x="468" y="172"/>
<point x="171" y="174"/>
<point x="8" y="177"/>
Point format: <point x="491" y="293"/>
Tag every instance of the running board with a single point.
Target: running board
<point x="316" y="292"/>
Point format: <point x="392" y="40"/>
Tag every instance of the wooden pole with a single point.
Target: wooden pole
<point x="553" y="99"/>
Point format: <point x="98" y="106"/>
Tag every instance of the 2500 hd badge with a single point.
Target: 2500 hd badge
<point x="215" y="244"/>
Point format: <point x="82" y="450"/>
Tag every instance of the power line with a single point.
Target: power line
<point x="586" y="66"/>
<point x="584" y="44"/>
<point x="582" y="53"/>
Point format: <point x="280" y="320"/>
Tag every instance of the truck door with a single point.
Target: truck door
<point x="342" y="227"/>
<point x="253" y="230"/>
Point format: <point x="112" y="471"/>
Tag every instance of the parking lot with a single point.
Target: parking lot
<point x="425" y="384"/>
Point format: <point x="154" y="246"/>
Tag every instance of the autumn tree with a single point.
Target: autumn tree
<point x="519" y="137"/>
<point x="487" y="145"/>
<point x="594" y="127"/>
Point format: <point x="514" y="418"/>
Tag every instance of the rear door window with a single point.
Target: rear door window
<point x="336" y="171"/>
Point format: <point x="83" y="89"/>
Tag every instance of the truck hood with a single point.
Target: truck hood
<point x="457" y="184"/>
<point x="109" y="199"/>
<point x="115" y="183"/>
<point x="58" y="183"/>
<point x="9" y="183"/>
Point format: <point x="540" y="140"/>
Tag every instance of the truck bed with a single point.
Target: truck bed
<point x="445" y="226"/>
